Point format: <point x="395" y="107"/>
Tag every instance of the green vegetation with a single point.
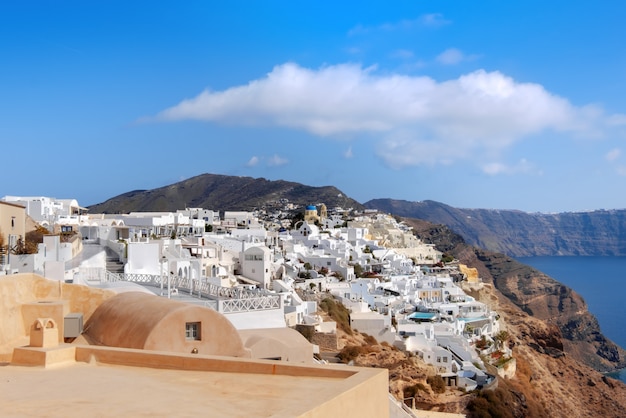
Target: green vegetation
<point x="482" y="343"/>
<point x="500" y="361"/>
<point x="447" y="258"/>
<point x="500" y="338"/>
<point x="338" y="313"/>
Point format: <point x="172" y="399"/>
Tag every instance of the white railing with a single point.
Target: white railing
<point x="229" y="300"/>
<point x="148" y="279"/>
<point x="249" y="304"/>
<point x="93" y="274"/>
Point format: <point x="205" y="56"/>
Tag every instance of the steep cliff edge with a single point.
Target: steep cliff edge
<point x="521" y="234"/>
<point x="559" y="349"/>
<point x="534" y="293"/>
<point x="544" y="298"/>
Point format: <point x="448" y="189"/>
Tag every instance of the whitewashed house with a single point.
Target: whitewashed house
<point x="45" y="210"/>
<point x="255" y="265"/>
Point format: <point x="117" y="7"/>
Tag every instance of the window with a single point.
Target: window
<point x="253" y="257"/>
<point x="192" y="331"/>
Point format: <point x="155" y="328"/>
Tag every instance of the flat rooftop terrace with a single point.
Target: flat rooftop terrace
<point x="187" y="386"/>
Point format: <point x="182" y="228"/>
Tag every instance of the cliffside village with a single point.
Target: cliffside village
<point x="264" y="272"/>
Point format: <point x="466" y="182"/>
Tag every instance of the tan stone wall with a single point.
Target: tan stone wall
<point x="350" y="392"/>
<point x="166" y="360"/>
<point x="12" y="221"/>
<point x="285" y="344"/>
<point x="19" y="289"/>
<point x="55" y="309"/>
<point x="28" y="356"/>
<point x="361" y="398"/>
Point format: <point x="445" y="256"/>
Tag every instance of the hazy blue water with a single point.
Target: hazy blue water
<point x="601" y="281"/>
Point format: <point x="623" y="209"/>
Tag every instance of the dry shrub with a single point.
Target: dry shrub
<point x="351" y="352"/>
<point x="437" y="384"/>
<point x="488" y="404"/>
<point x="338" y="313"/>
<point x="412" y="390"/>
<point x="369" y="339"/>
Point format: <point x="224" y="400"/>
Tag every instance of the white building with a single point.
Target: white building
<point x="46" y="210"/>
<point x="255" y="265"/>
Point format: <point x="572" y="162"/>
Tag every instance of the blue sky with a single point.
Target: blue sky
<point x="491" y="104"/>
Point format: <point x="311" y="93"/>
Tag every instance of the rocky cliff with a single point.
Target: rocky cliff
<point x="534" y="293"/>
<point x="521" y="234"/>
<point x="557" y="343"/>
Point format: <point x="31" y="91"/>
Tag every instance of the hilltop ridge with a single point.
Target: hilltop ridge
<point x="511" y="232"/>
<point x="522" y="234"/>
<point x="221" y="192"/>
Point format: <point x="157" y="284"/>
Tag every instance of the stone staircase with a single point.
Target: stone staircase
<point x="113" y="263"/>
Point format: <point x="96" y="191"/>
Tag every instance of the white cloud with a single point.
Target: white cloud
<point x="522" y="167"/>
<point x="416" y="119"/>
<point x="617" y="120"/>
<point x="450" y="56"/>
<point x="613" y="154"/>
<point x="253" y="161"/>
<point x="348" y="154"/>
<point x="276" y="161"/>
<point x="432" y="20"/>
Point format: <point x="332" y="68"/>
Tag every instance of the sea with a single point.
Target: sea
<point x="601" y="281"/>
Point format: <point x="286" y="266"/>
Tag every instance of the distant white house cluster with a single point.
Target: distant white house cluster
<point x="258" y="269"/>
